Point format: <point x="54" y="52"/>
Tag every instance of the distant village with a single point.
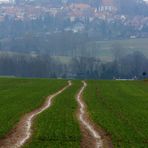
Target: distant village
<point x="73" y="39"/>
<point x="21" y="10"/>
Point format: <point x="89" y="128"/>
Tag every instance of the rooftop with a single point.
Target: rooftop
<point x="108" y="2"/>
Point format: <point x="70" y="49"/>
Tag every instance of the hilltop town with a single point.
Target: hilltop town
<point x="22" y="10"/>
<point x="70" y="38"/>
<point x="79" y="12"/>
<point x="107" y="10"/>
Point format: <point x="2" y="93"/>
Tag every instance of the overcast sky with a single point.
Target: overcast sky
<point x="8" y="0"/>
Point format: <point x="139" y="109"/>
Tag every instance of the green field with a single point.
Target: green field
<point x="103" y="48"/>
<point x="19" y="96"/>
<point x="58" y="127"/>
<point x="121" y="108"/>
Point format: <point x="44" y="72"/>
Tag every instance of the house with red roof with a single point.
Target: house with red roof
<point x="107" y="5"/>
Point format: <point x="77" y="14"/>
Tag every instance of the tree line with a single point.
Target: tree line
<point x="134" y="65"/>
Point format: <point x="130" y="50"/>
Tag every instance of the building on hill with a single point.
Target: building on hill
<point x="107" y="5"/>
<point x="4" y="1"/>
<point x="20" y="1"/>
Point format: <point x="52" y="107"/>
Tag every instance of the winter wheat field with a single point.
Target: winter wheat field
<point x="46" y="113"/>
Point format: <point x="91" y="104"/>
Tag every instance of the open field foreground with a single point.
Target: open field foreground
<point x="73" y="114"/>
<point x="121" y="109"/>
<point x="57" y="127"/>
<point x="23" y="130"/>
<point x="20" y="96"/>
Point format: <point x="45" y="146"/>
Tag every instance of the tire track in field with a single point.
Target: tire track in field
<point x="93" y="137"/>
<point x="22" y="132"/>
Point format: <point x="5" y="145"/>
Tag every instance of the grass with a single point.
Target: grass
<point x="129" y="45"/>
<point x="121" y="108"/>
<point x="62" y="59"/>
<point x="58" y="127"/>
<point x="19" y="96"/>
<point x="103" y="49"/>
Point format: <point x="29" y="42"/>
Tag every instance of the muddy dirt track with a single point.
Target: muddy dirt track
<point x="93" y="136"/>
<point x="22" y="132"/>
